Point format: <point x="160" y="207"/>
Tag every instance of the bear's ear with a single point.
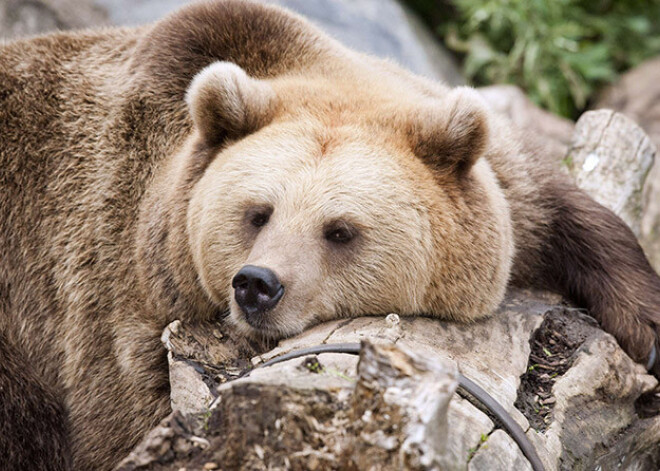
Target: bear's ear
<point x="452" y="136"/>
<point x="225" y="102"/>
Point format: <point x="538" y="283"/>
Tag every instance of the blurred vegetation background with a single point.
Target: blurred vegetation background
<point x="561" y="52"/>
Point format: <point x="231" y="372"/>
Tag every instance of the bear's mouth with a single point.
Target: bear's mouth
<point x="272" y="326"/>
<point x="255" y="326"/>
<point x="258" y="319"/>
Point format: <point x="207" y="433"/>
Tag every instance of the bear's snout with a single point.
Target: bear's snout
<point x="256" y="290"/>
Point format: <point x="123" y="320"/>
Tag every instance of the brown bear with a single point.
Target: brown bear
<point x="233" y="158"/>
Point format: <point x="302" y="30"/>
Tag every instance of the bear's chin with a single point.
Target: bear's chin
<point x="268" y="330"/>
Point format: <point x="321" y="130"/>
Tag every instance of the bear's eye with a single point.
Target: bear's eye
<point x="339" y="233"/>
<point x="259" y="217"/>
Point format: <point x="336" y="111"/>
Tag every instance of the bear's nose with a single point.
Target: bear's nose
<point x="256" y="290"/>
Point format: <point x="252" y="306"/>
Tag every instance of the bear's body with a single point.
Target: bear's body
<point x="358" y="186"/>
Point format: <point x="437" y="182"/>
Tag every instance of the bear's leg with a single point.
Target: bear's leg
<point x="33" y="421"/>
<point x="590" y="256"/>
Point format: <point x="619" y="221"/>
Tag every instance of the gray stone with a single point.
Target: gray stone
<point x="138" y="12"/>
<point x="19" y="18"/>
<point x="609" y="158"/>
<point x="382" y="28"/>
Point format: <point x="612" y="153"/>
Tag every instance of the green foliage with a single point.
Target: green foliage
<point x="558" y="51"/>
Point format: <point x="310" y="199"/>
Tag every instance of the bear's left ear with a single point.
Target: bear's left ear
<point x="452" y="136"/>
<point x="225" y="102"/>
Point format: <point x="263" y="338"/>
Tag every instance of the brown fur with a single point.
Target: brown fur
<point x="116" y="219"/>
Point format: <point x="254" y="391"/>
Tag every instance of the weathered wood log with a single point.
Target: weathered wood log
<point x="610" y="157"/>
<point x="393" y="415"/>
<point x="575" y="386"/>
<point x="636" y="96"/>
<point x="650" y="224"/>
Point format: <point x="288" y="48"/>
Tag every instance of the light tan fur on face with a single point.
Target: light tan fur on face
<point x="308" y="188"/>
<point x="415" y="248"/>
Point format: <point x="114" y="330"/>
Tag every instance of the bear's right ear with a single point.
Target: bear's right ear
<point x="453" y="134"/>
<point x="225" y="102"/>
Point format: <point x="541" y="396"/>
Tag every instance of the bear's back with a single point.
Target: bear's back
<point x="52" y="118"/>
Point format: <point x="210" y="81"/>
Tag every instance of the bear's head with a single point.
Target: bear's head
<point x="327" y="198"/>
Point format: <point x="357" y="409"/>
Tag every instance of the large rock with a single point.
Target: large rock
<point x="564" y="381"/>
<point x="22" y="18"/>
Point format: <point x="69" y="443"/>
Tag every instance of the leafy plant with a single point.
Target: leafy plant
<point x="558" y="51"/>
